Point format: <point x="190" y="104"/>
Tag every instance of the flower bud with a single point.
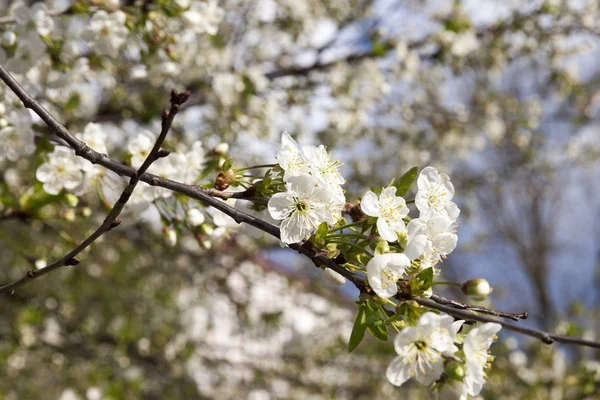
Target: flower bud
<point x="221" y="149"/>
<point x="2" y="109"/>
<point x="8" y="39"/>
<point x="195" y="217"/>
<point x="230" y="176"/>
<point x="221" y="183"/>
<point x="333" y="277"/>
<point x="455" y="370"/>
<point x="477" y="289"/>
<point x="207" y="229"/>
<point x="170" y="236"/>
<point x="377" y="243"/>
<point x="71" y="199"/>
<point x="3" y="123"/>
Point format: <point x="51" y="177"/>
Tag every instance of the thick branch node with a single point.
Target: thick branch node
<point x="155" y="182"/>
<point x="163" y="153"/>
<point x="31" y="273"/>
<point x="116" y="222"/>
<point x="73" y="261"/>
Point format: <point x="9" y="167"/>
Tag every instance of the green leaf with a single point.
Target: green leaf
<point x="375" y="323"/>
<point x="421" y="282"/>
<point x="379" y="330"/>
<point x="227" y="164"/>
<point x="411" y="311"/>
<point x="358" y="330"/>
<point x="406" y="180"/>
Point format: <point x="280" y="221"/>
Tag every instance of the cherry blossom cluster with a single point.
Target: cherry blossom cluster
<point x="429" y="349"/>
<point x="313" y="192"/>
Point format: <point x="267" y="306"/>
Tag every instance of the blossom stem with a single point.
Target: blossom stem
<point x="343" y="235"/>
<point x="362" y="249"/>
<point x="346" y="226"/>
<point x="447" y="283"/>
<point x="256" y="167"/>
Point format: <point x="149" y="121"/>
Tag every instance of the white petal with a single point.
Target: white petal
<point x="279" y="206"/>
<point x="427" y="176"/>
<point x="370" y="204"/>
<point x="303" y="184"/>
<point x="388" y="192"/>
<point x="45" y="172"/>
<point x="385" y="231"/>
<point x="288" y="141"/>
<point x="445" y="243"/>
<point x="431" y="371"/>
<point x="453" y="211"/>
<point x="416" y="246"/>
<point x="398" y="372"/>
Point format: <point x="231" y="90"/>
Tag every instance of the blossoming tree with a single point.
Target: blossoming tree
<point x="111" y="62"/>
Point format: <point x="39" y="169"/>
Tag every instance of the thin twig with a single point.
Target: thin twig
<point x="202" y="195"/>
<point x="15" y="214"/>
<point x="545" y="337"/>
<point x="111" y="221"/>
<point x="464" y="306"/>
<point x="249" y="194"/>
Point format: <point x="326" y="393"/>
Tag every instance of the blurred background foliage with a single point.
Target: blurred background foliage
<point x="502" y="95"/>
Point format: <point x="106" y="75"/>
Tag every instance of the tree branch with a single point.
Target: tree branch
<point x="470" y="307"/>
<point x="545" y="337"/>
<point x="204" y="196"/>
<point x="111" y="221"/>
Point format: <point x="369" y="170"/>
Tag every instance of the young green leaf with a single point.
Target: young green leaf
<point x="358" y="330"/>
<point x="404" y="183"/>
<point x="421" y="282"/>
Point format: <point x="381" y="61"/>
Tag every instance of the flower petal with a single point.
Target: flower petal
<point x="280" y="206"/>
<point x="385" y="231"/>
<point x="370" y="204"/>
<point x="398" y="372"/>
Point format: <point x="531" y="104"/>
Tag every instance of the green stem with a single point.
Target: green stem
<point x="256" y="167"/>
<point x="447" y="283"/>
<point x="362" y="249"/>
<point x="344" y="235"/>
<point x="347" y="226"/>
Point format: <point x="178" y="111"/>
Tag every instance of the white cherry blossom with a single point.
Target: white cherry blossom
<point x="35" y="17"/>
<point x="383" y="272"/>
<point x="389" y="210"/>
<point x="301" y="208"/>
<point x="290" y="158"/>
<point x="95" y="137"/>
<point x="204" y="17"/>
<point x="106" y="33"/>
<point x="17" y="138"/>
<point x="140" y="147"/>
<point x="420" y="349"/>
<point x="432" y="238"/>
<point x="476" y="346"/>
<point x="62" y="170"/>
<point x="322" y="164"/>
<point x="435" y="193"/>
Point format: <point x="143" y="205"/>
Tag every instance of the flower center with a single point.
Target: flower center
<point x="436" y="195"/>
<point x="301" y="206"/>
<point x="420" y="345"/>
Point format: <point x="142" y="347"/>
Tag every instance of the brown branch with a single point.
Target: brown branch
<point x="545" y="337"/>
<point x="203" y="196"/>
<point x="111" y="221"/>
<point x="470" y="307"/>
<point x="249" y="195"/>
<point x="15" y="214"/>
